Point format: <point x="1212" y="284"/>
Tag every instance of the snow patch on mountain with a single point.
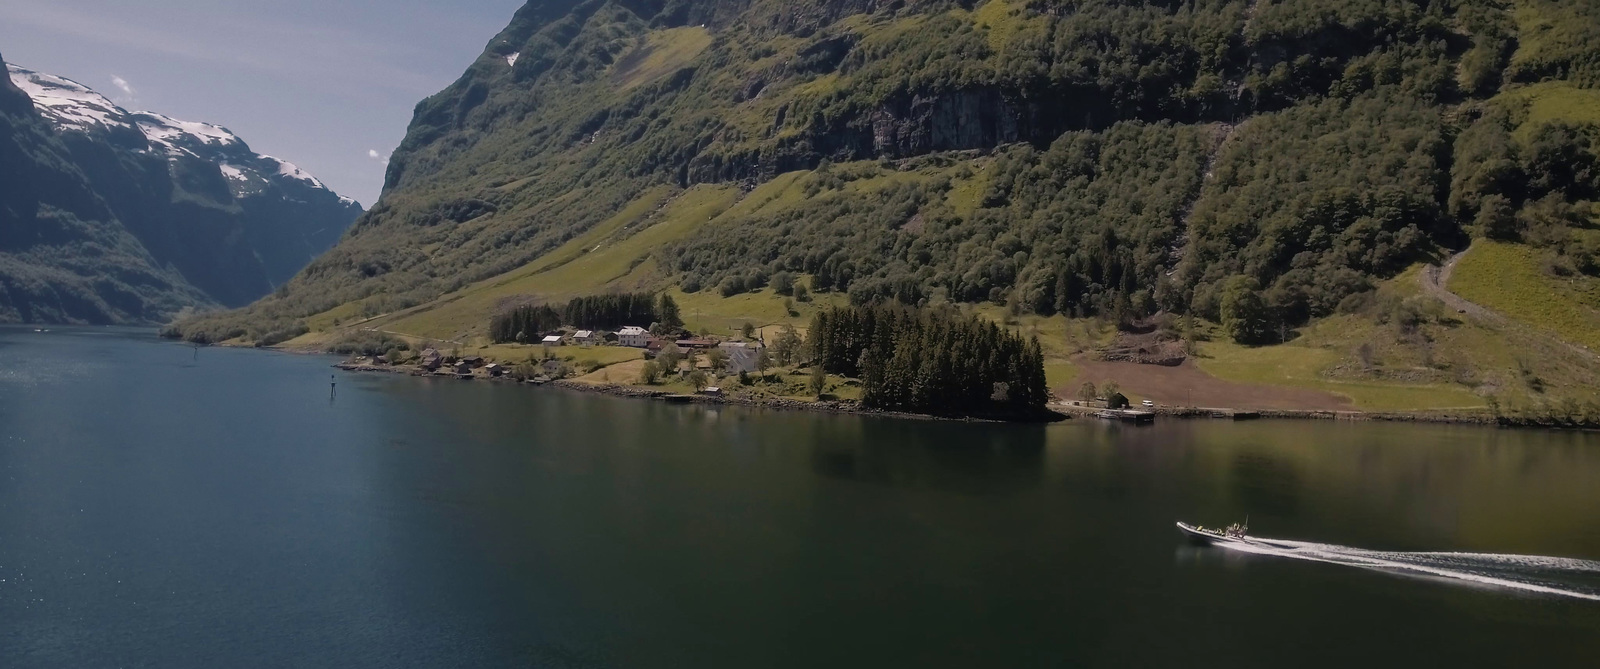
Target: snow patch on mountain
<point x="67" y="103"/>
<point x="289" y="169"/>
<point x="74" y="107"/>
<point x="512" y="59"/>
<point x="164" y="129"/>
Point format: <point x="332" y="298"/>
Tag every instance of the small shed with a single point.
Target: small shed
<point x="431" y="359"/>
<point x="552" y="340"/>
<point x="495" y="369"/>
<point x="712" y="391"/>
<point x="463" y="367"/>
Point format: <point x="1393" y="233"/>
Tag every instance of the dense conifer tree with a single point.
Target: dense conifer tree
<point x="930" y="361"/>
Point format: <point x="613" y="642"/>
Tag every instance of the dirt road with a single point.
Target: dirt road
<point x="1434" y="280"/>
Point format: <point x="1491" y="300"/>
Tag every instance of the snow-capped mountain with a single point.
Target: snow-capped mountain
<point x="233" y="223"/>
<point x="74" y="107"/>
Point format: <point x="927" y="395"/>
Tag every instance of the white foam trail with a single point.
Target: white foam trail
<point x="1467" y="567"/>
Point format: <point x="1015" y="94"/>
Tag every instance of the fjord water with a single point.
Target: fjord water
<point x="158" y="510"/>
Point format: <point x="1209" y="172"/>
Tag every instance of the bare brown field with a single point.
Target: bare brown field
<point x="1188" y="385"/>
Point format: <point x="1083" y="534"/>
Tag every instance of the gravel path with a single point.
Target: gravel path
<point x="1434" y="280"/>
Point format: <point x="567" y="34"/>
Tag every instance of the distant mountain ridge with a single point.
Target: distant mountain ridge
<point x="212" y="222"/>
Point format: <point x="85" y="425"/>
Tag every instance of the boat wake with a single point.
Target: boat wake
<point x="1565" y="577"/>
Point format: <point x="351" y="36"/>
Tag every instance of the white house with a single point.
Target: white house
<point x="742" y="355"/>
<point x="636" y="337"/>
<point x="584" y="337"/>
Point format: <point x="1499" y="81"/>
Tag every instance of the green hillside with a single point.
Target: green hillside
<point x="1266" y="166"/>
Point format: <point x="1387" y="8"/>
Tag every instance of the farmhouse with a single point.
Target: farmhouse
<point x="742" y="356"/>
<point x="636" y="337"/>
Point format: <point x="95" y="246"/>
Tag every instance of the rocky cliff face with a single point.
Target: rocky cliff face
<point x="236" y="224"/>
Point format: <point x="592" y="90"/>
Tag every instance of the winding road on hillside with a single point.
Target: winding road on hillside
<point x="1435" y="281"/>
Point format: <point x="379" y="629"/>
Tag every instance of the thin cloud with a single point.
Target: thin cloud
<point x="122" y="84"/>
<point x="373" y="154"/>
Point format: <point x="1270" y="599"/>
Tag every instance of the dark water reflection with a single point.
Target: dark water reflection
<point x="157" y="511"/>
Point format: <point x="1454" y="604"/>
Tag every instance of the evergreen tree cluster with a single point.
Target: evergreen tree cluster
<point x="930" y="361"/>
<point x="598" y="312"/>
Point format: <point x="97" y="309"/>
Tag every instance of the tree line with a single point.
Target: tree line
<point x="596" y="312"/>
<point x="934" y="361"/>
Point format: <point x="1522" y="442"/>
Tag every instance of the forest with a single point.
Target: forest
<point x="1112" y="158"/>
<point x="931" y="361"/>
<point x="528" y="323"/>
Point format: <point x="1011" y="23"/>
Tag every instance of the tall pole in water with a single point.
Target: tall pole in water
<point x="333" y="387"/>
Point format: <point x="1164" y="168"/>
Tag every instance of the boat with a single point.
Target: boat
<point x="1200" y="534"/>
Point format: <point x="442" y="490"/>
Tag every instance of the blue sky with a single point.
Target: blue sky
<point x="326" y="84"/>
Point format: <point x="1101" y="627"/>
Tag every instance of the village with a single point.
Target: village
<point x="709" y="368"/>
<point x="702" y="363"/>
<point x="740" y="368"/>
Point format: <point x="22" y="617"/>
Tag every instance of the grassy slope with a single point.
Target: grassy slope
<point x="663" y="53"/>
<point x="1507" y="278"/>
<point x="585" y="265"/>
<point x="1460" y="359"/>
<point x="1455" y="362"/>
<point x="1304" y="365"/>
<point x="1552" y="101"/>
<point x="1322" y="358"/>
<point x="1001" y="18"/>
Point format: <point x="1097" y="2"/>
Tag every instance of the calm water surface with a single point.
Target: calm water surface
<point x="161" y="511"/>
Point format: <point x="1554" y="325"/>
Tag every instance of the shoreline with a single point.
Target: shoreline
<point x="1062" y="410"/>
<point x="837" y="407"/>
<point x="1439" y="418"/>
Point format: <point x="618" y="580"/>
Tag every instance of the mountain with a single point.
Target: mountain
<point x="177" y="213"/>
<point x="1267" y="165"/>
<point x="64" y="256"/>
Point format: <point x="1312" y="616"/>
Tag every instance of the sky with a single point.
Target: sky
<point x="328" y="85"/>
